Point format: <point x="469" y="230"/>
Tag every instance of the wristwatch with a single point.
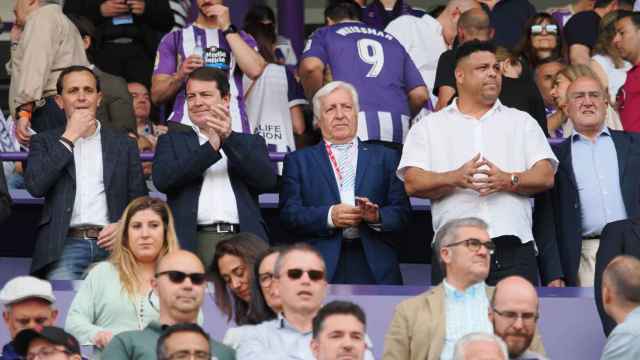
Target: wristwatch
<point x="514" y="180"/>
<point x="232" y="29"/>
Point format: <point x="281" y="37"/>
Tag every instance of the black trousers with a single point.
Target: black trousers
<point x="510" y="258"/>
<point x="129" y="61"/>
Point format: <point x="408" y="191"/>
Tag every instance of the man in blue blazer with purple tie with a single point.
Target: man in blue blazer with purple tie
<point x="342" y="196"/>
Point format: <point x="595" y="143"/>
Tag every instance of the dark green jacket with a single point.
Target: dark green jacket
<point x="141" y="345"/>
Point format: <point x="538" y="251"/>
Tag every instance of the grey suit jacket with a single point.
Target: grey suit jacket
<point x="50" y="173"/>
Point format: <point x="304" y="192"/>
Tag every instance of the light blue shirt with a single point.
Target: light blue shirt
<point x="595" y="166"/>
<point x="278" y="340"/>
<point x="623" y="341"/>
<point x="466" y="312"/>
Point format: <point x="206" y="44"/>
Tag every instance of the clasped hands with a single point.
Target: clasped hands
<point x="345" y="215"/>
<point x="491" y="180"/>
<point x="217" y="125"/>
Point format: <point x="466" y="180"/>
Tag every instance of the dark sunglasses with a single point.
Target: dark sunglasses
<point x="549" y="28"/>
<point x="178" y="277"/>
<point x="314" y="275"/>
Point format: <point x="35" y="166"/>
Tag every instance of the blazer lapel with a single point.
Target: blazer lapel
<point x="564" y="155"/>
<point x="622" y="150"/>
<point x="110" y="151"/>
<point x="361" y="167"/>
<point x="321" y="158"/>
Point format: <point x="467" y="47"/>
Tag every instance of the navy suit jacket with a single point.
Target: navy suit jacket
<point x="618" y="238"/>
<point x="178" y="171"/>
<point x="309" y="189"/>
<point x="5" y="198"/>
<point x="559" y="212"/>
<point x="51" y="173"/>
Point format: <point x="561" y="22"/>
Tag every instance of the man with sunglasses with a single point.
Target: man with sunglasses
<point x="429" y="325"/>
<point x="514" y="315"/>
<point x="51" y="343"/>
<point x="300" y="279"/>
<point x="180" y="284"/>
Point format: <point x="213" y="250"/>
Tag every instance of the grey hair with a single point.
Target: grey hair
<point x="461" y="344"/>
<point x="447" y="233"/>
<point x="328" y="89"/>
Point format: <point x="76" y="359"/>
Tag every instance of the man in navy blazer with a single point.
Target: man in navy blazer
<point x="342" y="195"/>
<point x="87" y="174"/>
<point x="212" y="176"/>
<point x="597" y="183"/>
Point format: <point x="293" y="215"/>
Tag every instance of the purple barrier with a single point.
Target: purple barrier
<point x="569" y="321"/>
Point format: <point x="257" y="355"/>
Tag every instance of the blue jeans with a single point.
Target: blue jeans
<point x="78" y="254"/>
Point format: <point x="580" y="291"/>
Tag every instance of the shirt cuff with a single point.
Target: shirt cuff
<point x="330" y="223"/>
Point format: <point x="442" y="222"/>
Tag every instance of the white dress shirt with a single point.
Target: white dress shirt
<point x="217" y="201"/>
<point x="509" y="138"/>
<point x="422" y="38"/>
<point x="90" y="204"/>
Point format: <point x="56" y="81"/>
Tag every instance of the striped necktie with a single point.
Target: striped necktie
<point x="346" y="166"/>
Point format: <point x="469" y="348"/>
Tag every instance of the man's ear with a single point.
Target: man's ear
<point x="315" y="347"/>
<point x="459" y="74"/>
<point x="54" y="316"/>
<point x="99" y="98"/>
<point x="58" y="99"/>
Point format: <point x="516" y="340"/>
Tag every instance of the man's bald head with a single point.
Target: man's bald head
<point x="474" y="24"/>
<point x="178" y="257"/>
<point x="622" y="277"/>
<point x="514" y="287"/>
<point x="514" y="313"/>
<point x="462" y="5"/>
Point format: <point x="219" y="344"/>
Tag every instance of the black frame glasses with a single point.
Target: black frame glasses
<point x="46" y="353"/>
<point x="178" y="277"/>
<point x="186" y="354"/>
<point x="474" y="245"/>
<point x="314" y="275"/>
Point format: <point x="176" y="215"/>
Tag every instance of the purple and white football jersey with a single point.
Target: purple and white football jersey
<point x="380" y="69"/>
<point x="216" y="52"/>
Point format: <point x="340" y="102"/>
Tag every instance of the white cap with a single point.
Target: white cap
<point x="25" y="287"/>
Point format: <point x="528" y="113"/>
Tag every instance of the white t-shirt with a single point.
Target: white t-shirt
<point x="423" y="40"/>
<point x="509" y="138"/>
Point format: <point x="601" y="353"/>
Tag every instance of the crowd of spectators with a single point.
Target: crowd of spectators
<point x="519" y="127"/>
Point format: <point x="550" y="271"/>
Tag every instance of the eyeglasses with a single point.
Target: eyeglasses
<point x="549" y="28"/>
<point x="178" y="277"/>
<point x="265" y="278"/>
<point x="46" y="353"/>
<point x="314" y="275"/>
<point x="186" y="354"/>
<point x="474" y="245"/>
<point x="527" y="318"/>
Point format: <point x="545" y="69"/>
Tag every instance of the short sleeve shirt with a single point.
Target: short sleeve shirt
<point x="213" y="47"/>
<point x="445" y="73"/>
<point x="509" y="138"/>
<point x="628" y="100"/>
<point x="582" y="29"/>
<point x="380" y="69"/>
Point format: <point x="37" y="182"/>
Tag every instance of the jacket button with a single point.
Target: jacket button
<point x="575" y="205"/>
<point x="68" y="210"/>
